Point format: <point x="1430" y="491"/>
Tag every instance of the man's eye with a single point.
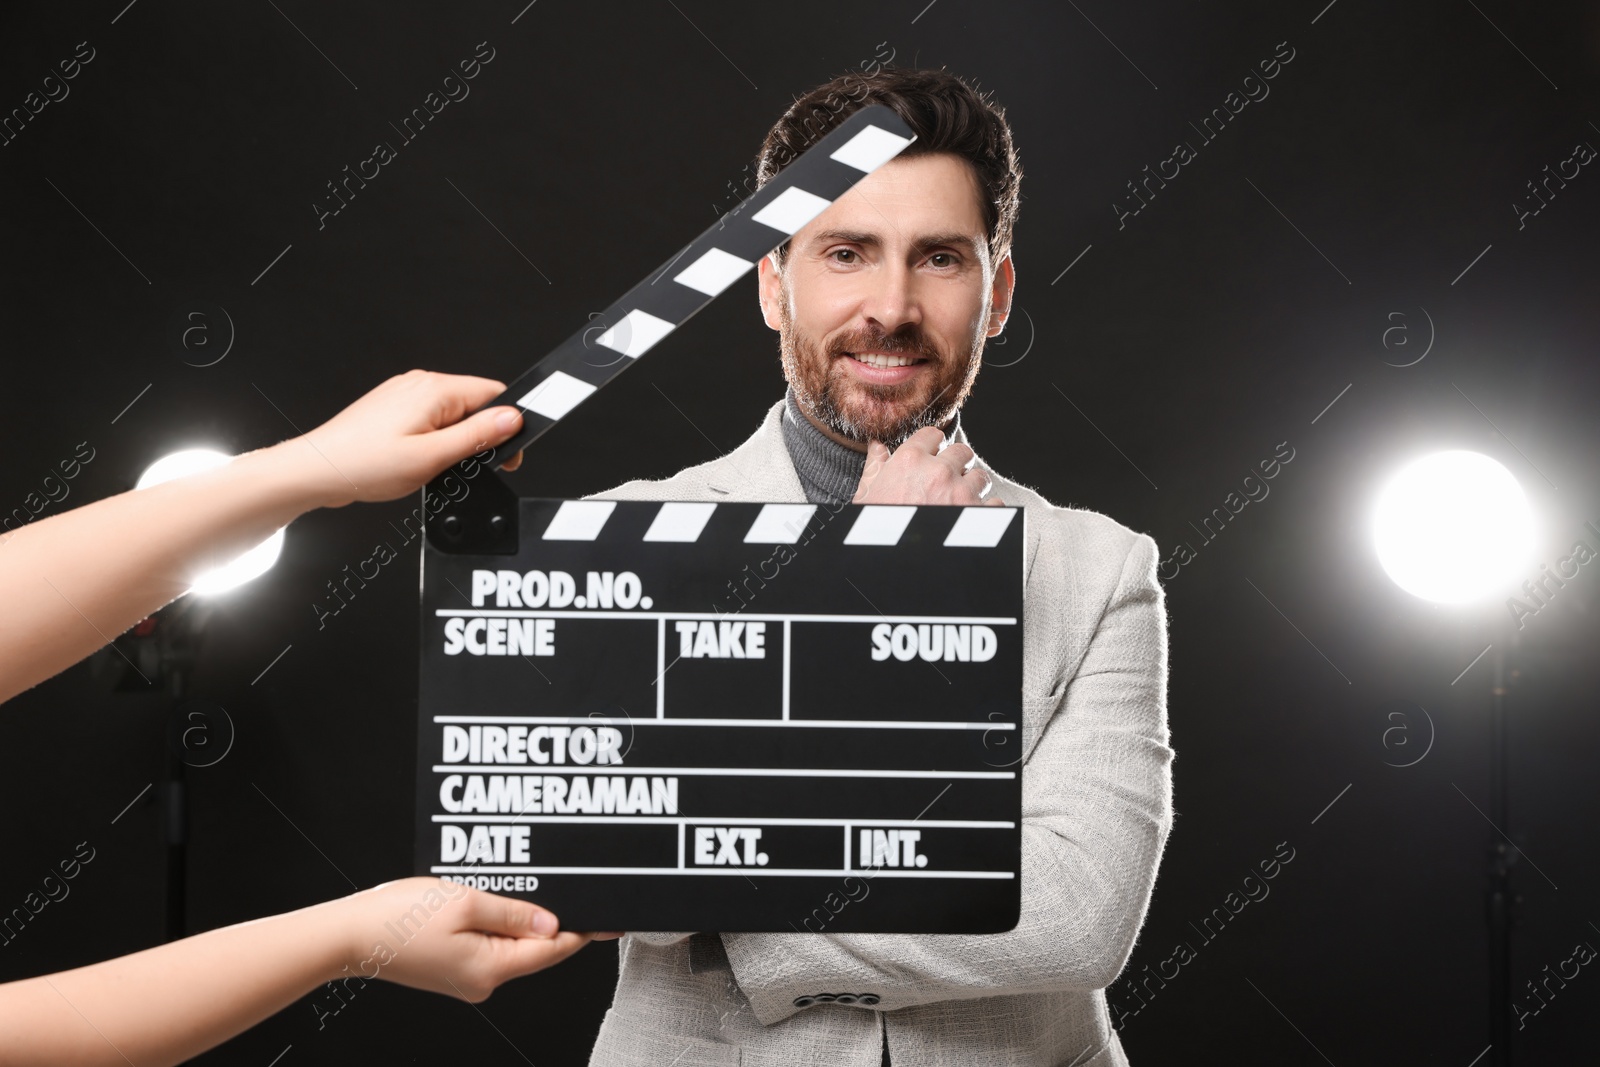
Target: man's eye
<point x="843" y="252"/>
<point x="949" y="259"/>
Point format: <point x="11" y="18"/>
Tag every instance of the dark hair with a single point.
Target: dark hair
<point x="946" y="114"/>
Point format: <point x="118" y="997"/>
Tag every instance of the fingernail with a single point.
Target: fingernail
<point x="544" y="923"/>
<point x="507" y="421"/>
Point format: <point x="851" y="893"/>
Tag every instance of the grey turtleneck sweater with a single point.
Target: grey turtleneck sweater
<point x="829" y="472"/>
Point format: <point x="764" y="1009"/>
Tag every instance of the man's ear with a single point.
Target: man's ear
<point x="769" y="290"/>
<point x="1005" y="281"/>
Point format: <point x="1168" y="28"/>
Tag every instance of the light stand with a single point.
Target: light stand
<point x="1502" y="856"/>
<point x="165" y="648"/>
<point x="1455" y="528"/>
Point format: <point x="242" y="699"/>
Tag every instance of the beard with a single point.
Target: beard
<point x="860" y="411"/>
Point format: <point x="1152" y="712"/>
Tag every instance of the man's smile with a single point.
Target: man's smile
<point x="881" y="368"/>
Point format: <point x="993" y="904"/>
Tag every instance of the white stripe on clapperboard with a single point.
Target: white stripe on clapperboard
<point x="827" y="724"/>
<point x="765" y="872"/>
<point x="656" y="820"/>
<point x="724" y="772"/>
<point x="612" y="613"/>
<point x="714" y="271"/>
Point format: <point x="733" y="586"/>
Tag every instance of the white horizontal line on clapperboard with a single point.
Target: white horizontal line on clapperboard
<point x="715" y="772"/>
<point x="841" y="724"/>
<point x="764" y="872"/>
<point x="656" y="820"/>
<point x="510" y="613"/>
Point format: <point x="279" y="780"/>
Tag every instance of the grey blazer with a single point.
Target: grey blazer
<point x="1096" y="810"/>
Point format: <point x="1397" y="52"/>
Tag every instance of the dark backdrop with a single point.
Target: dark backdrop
<point x="1320" y="240"/>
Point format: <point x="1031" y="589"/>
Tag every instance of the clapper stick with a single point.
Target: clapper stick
<point x="669" y="296"/>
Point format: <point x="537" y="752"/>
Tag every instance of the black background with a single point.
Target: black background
<point x="1144" y="382"/>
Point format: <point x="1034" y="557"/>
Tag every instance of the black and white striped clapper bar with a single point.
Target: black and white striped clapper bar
<point x="710" y="263"/>
<point x="730" y="716"/>
<point x="646" y="314"/>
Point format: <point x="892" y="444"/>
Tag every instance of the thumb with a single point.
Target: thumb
<point x="492" y="426"/>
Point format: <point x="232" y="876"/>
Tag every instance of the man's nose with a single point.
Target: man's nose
<point x="893" y="299"/>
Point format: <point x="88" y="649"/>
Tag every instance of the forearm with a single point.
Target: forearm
<point x="1080" y="916"/>
<point x="1096" y="811"/>
<point x="167" y="1004"/>
<point x="67" y="592"/>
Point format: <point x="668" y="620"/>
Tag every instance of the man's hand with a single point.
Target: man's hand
<point x="397" y="437"/>
<point x="918" y="473"/>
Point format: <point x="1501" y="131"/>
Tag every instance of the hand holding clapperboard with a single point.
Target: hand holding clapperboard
<point x="710" y="716"/>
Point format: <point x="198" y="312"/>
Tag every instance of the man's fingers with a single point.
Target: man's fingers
<point x="925" y="440"/>
<point x="959" y="457"/>
<point x="877" y="456"/>
<point x="513" y="463"/>
<point x="974" y="486"/>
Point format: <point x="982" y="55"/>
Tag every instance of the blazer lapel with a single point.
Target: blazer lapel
<point x="1006" y="490"/>
<point x="760" y="469"/>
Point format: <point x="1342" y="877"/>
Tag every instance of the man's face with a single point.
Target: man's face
<point x="886" y="300"/>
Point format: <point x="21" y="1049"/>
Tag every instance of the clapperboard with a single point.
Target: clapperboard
<point x="721" y="716"/>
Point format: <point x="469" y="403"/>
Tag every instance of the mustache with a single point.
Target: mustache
<point x="903" y="344"/>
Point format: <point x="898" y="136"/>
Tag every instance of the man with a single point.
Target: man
<point x="883" y="303"/>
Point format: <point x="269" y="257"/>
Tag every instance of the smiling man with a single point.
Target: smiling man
<point x="883" y="304"/>
<point x="879" y="373"/>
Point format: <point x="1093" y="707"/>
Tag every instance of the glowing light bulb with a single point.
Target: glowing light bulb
<point x="252" y="564"/>
<point x="1453" y="527"/>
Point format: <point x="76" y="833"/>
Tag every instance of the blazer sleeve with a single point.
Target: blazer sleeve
<point x="1096" y="810"/>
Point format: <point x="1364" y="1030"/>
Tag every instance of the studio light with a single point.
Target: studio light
<point x="167" y="647"/>
<point x="1453" y="527"/>
<point x="252" y="564"/>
